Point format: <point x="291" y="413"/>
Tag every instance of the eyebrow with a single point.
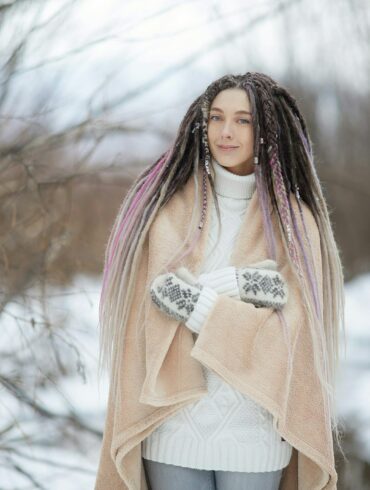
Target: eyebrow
<point x="237" y="112"/>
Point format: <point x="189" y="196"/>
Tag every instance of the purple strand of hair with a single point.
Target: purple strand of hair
<point x="124" y="225"/>
<point x="310" y="274"/>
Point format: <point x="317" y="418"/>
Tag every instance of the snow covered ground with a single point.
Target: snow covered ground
<point x="57" y="368"/>
<point x="353" y="395"/>
<point x="62" y="448"/>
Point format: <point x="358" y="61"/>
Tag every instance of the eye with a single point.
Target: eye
<point x="245" y="121"/>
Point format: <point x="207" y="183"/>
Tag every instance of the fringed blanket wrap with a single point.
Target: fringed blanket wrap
<point x="161" y="372"/>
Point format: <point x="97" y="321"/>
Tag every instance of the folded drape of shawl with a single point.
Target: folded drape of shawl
<point x="161" y="370"/>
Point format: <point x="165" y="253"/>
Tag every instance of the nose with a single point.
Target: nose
<point x="226" y="130"/>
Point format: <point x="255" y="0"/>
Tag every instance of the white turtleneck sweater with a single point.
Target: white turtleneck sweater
<point x="225" y="429"/>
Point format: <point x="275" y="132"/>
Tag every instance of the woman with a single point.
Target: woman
<point x="243" y="297"/>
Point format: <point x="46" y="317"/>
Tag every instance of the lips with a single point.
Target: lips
<point x="227" y="149"/>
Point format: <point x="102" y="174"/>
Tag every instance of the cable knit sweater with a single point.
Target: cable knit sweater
<point x="224" y="430"/>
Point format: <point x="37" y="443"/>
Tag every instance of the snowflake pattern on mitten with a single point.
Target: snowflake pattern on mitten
<point x="174" y="297"/>
<point x="263" y="288"/>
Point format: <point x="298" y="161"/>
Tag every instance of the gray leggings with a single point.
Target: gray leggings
<point x="161" y="476"/>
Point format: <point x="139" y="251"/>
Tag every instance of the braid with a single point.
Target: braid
<point x="272" y="137"/>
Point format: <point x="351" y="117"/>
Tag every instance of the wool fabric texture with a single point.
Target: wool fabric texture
<point x="225" y="430"/>
<point x="161" y="370"/>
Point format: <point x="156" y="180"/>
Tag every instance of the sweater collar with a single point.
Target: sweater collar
<point x="228" y="184"/>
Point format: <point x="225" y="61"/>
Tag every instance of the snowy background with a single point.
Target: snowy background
<point x="66" y="453"/>
<point x="90" y="93"/>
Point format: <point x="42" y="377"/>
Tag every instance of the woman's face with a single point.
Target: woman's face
<point x="230" y="124"/>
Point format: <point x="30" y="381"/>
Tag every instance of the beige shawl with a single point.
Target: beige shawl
<point x="161" y="372"/>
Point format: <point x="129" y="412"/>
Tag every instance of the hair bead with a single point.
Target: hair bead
<point x="196" y="127"/>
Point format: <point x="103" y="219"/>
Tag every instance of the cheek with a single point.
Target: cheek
<point x="212" y="134"/>
<point x="210" y="137"/>
<point x="247" y="136"/>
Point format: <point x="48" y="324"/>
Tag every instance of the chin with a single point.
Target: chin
<point x="228" y="163"/>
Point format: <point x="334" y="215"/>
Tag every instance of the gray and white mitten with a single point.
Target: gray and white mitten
<point x="261" y="285"/>
<point x="180" y="300"/>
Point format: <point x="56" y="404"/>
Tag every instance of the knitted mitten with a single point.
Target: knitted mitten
<point x="261" y="285"/>
<point x="177" y="298"/>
